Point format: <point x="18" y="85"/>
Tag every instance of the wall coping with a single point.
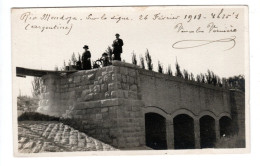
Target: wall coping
<point x="167" y="77"/>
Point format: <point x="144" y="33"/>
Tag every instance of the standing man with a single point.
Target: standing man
<point x="86" y="59"/>
<point x="117" y="48"/>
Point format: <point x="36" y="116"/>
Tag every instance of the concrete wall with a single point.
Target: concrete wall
<point x="110" y="103"/>
<point x="171" y="94"/>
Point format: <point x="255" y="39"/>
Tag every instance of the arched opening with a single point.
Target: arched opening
<point x="225" y="126"/>
<point x="184" y="137"/>
<point x="155" y="131"/>
<point x="207" y="132"/>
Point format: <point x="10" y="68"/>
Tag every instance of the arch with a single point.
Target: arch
<point x="155" y="131"/>
<point x="224" y="114"/>
<point x="184" y="137"/>
<point x="183" y="111"/>
<point x="208" y="113"/>
<point x="225" y="127"/>
<point x="207" y="131"/>
<point x="157" y="110"/>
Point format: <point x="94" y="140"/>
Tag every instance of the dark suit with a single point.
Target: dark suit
<point x="86" y="60"/>
<point x="117" y="48"/>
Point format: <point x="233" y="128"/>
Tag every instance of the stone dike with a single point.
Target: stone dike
<point x="105" y="101"/>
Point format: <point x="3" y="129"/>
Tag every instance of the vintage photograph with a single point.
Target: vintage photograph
<point x="147" y="78"/>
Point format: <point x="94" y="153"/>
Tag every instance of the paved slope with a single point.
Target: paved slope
<point x="41" y="136"/>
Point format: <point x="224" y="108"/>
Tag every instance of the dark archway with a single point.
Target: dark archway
<point x="155" y="131"/>
<point x="207" y="132"/>
<point x="184" y="137"/>
<point x="225" y="126"/>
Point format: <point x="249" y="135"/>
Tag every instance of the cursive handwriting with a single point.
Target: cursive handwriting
<point x="213" y="21"/>
<point x="199" y="43"/>
<point x="45" y="28"/>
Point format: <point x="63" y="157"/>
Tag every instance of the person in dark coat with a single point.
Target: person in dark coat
<point x="117" y="48"/>
<point x="86" y="63"/>
<point x="105" y="59"/>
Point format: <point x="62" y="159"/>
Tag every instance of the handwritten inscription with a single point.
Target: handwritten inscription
<point x="182" y="23"/>
<point x="210" y="28"/>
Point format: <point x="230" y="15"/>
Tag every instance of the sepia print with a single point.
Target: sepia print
<point x="130" y="79"/>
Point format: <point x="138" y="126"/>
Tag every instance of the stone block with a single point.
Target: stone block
<point x="97" y="96"/>
<point x="109" y="68"/>
<point x="88" y="97"/>
<point x="63" y="81"/>
<point x="49" y="95"/>
<point x="72" y="95"/>
<point x="126" y="94"/>
<point x="77" y="79"/>
<point x="90" y="104"/>
<point x="123" y="70"/>
<point x="123" y="114"/>
<point x="133" y="88"/>
<point x="124" y="78"/>
<point x="125" y="86"/>
<point x="105" y="109"/>
<point x="77" y="112"/>
<point x="107" y="95"/>
<point x="91" y="88"/>
<point x="133" y="144"/>
<point x="113" y="109"/>
<point x="105" y="116"/>
<point x="103" y="88"/>
<point x="121" y="142"/>
<point x="131" y="72"/>
<point x="116" y="77"/>
<point x="130" y="80"/>
<point x="109" y="102"/>
<point x="100" y="80"/>
<point x="135" y="108"/>
<point x="95" y="82"/>
<point x="104" y="73"/>
<point x="96" y="89"/>
<point x="132" y="95"/>
<point x="70" y="80"/>
<point x="98" y="116"/>
<point x="91" y="76"/>
<point x="107" y="78"/>
<point x="117" y="94"/>
<point x="114" y="86"/>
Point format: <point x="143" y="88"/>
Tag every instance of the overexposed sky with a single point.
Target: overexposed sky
<point x="45" y="50"/>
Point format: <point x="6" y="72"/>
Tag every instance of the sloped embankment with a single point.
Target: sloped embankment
<point x="46" y="136"/>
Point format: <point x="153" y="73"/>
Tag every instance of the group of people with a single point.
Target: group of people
<point x="117" y="50"/>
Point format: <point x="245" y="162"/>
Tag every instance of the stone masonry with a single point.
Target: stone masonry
<point x="106" y="102"/>
<point x="110" y="103"/>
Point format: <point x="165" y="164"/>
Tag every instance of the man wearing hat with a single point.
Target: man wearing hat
<point x="117" y="48"/>
<point x="86" y="59"/>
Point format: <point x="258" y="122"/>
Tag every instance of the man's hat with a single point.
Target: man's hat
<point x="117" y="34"/>
<point x="85" y="46"/>
<point x="104" y="54"/>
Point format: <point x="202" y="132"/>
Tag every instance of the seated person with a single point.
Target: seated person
<point x="105" y="59"/>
